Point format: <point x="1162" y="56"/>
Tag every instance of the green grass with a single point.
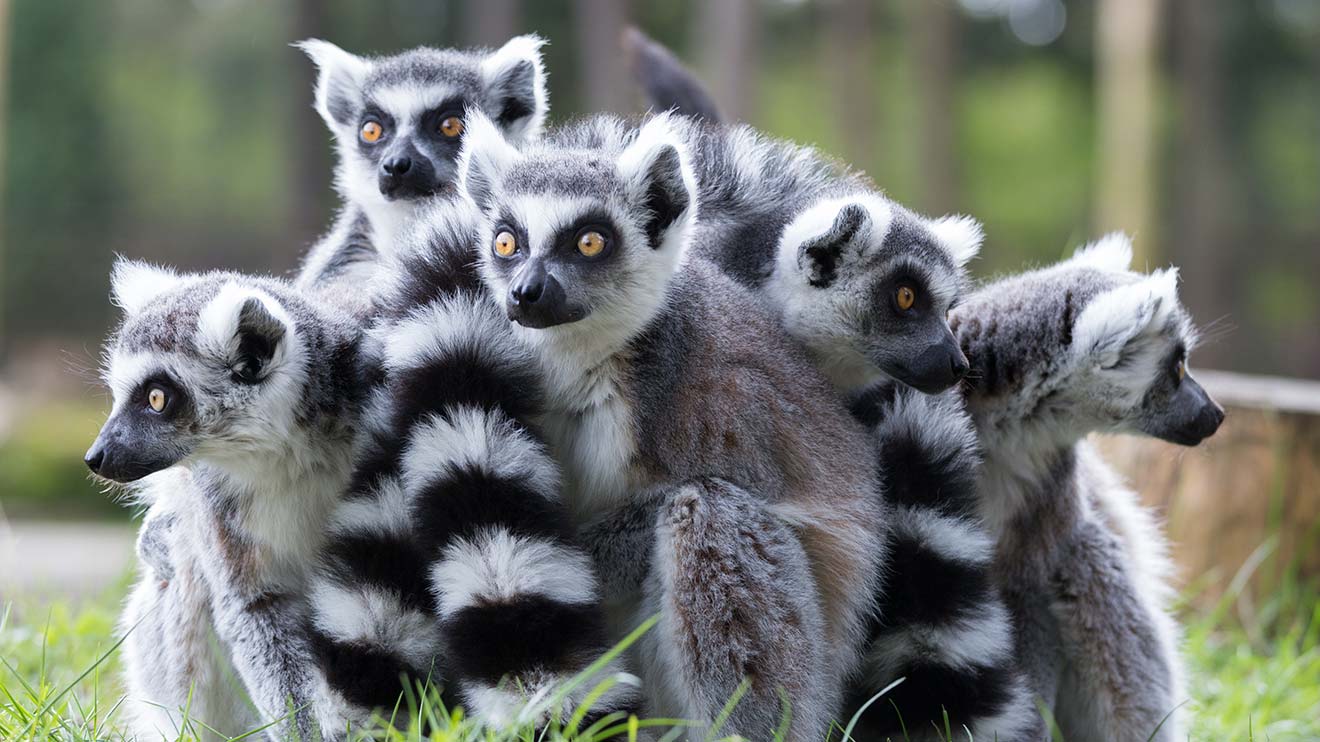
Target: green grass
<point x="1254" y="674"/>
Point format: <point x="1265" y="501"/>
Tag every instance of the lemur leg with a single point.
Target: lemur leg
<point x="263" y="625"/>
<point x="1117" y="683"/>
<point x="173" y="660"/>
<point x="737" y="602"/>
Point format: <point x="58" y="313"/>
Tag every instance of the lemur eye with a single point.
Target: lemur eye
<point x="1180" y="370"/>
<point x="505" y="244"/>
<point x="372" y="131"/>
<point x="157" y="398"/>
<point x="905" y="297"/>
<point x="591" y="244"/>
<point x="452" y="126"/>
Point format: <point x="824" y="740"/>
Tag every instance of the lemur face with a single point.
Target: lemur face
<point x="202" y="366"/>
<point x="400" y="120"/>
<point x="868" y="285"/>
<point x="580" y="239"/>
<point x="1089" y="345"/>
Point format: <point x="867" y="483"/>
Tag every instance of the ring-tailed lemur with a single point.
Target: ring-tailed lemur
<point x="671" y="386"/>
<point x="451" y="558"/>
<point x="253" y="389"/>
<point x="1058" y="353"/>
<point x="398" y="125"/>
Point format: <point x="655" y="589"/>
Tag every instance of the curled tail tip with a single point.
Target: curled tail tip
<point x="667" y="84"/>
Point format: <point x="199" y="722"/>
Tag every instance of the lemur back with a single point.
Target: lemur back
<point x="671" y="385"/>
<point x="398" y="126"/>
<point x="1058" y="353"/>
<point x="254" y="390"/>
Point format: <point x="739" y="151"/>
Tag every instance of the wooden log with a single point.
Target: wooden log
<point x="1258" y="478"/>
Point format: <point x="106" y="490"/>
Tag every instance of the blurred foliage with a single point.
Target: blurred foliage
<point x="182" y="132"/>
<point x="41" y="468"/>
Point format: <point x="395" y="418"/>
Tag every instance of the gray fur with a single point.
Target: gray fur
<point x="267" y="391"/>
<point x="668" y="373"/>
<point x="1059" y="353"/>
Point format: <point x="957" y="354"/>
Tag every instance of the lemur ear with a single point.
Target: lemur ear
<point x="339" y="85"/>
<point x="658" y="178"/>
<point x="1113" y="252"/>
<point x="818" y="257"/>
<point x="1117" y="318"/>
<point x="486" y="155"/>
<point x="247" y="328"/>
<point x="514" y="80"/>
<point x="133" y="283"/>
<point x="960" y="235"/>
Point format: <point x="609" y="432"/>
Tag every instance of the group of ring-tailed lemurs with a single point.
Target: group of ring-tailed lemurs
<point x="538" y="385"/>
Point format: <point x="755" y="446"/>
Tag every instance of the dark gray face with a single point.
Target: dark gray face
<point x="1177" y="409"/>
<point x="899" y="287"/>
<point x="572" y="234"/>
<point x="184" y="378"/>
<point x="400" y="119"/>
<point x="139" y="440"/>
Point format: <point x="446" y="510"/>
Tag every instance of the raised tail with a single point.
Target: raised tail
<point x="667" y="84"/>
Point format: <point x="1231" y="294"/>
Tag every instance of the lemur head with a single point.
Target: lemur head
<point x="582" y="242"/>
<point x="867" y="285"/>
<point x="202" y="366"/>
<point x="399" y="121"/>
<point x="1087" y="345"/>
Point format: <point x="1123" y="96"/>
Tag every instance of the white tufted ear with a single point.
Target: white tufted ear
<point x="960" y="235"/>
<point x="133" y="283"/>
<point x="658" y="177"/>
<point x="1113" y="252"/>
<point x="485" y="157"/>
<point x="245" y="325"/>
<point x="514" y="79"/>
<point x="1117" y="317"/>
<point x="339" y="85"/>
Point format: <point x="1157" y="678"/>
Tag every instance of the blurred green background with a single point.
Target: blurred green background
<point x="183" y="132"/>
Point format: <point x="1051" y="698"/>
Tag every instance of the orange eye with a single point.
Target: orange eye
<point x="905" y="297"/>
<point x="591" y="244"/>
<point x="1181" y="369"/>
<point x="372" y="131"/>
<point x="157" y="399"/>
<point x="505" y="244"/>
<point x="451" y="127"/>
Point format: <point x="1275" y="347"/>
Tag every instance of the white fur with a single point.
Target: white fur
<point x="1115" y="318"/>
<point x="954" y="539"/>
<point x="373" y="616"/>
<point x="525" y="48"/>
<point x="441" y="328"/>
<point x="486" y="153"/>
<point x="497" y="567"/>
<point x="134" y="284"/>
<point x="960" y="236"/>
<point x="333" y="62"/>
<point x="1113" y="252"/>
<point x="387" y="512"/>
<point x="476" y="437"/>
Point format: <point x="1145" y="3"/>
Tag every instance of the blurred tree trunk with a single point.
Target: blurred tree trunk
<point x="4" y="173"/>
<point x="935" y="57"/>
<point x="1202" y="205"/>
<point x="1127" y="32"/>
<point x="309" y="176"/>
<point x="490" y="22"/>
<point x="604" y="74"/>
<point x="728" y="34"/>
<point x="849" y="51"/>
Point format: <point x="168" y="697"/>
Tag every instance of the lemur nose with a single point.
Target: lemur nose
<point x="398" y="165"/>
<point x="528" y="292"/>
<point x="960" y="366"/>
<point x="94" y="459"/>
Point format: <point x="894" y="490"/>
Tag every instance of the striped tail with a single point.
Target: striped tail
<point x="942" y="626"/>
<point x="451" y="557"/>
